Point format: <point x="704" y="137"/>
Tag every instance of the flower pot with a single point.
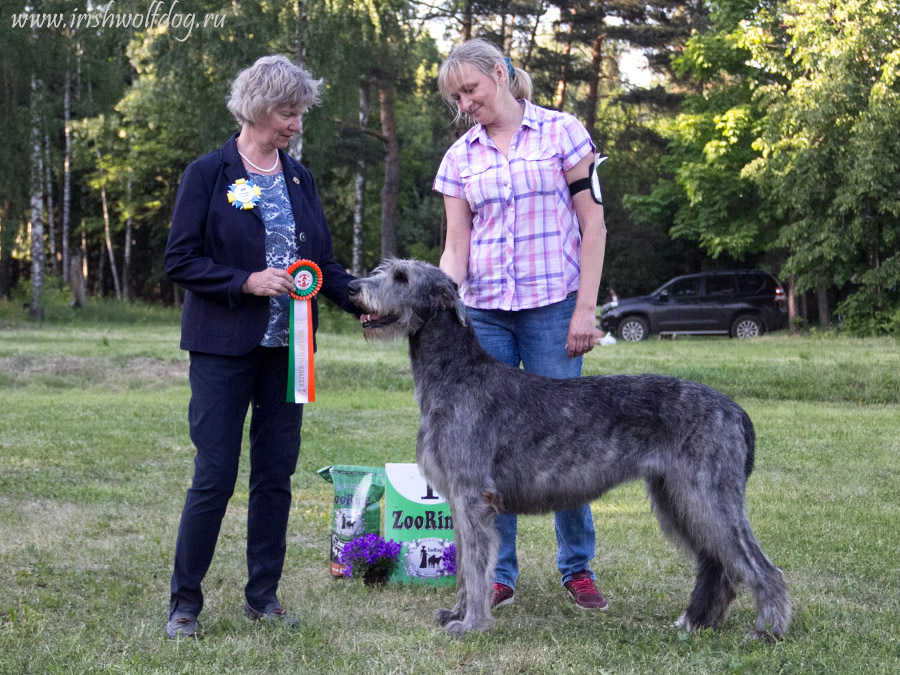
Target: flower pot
<point x="373" y="577"/>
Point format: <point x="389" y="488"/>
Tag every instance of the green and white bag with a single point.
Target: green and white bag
<point x="357" y="508"/>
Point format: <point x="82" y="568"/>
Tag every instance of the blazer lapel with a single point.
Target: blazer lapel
<point x="234" y="170"/>
<point x="299" y="203"/>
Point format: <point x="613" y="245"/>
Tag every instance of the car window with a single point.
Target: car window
<point x="720" y="285"/>
<point x="757" y="284"/>
<point x="684" y="288"/>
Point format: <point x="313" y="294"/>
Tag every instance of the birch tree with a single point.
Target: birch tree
<point x="38" y="256"/>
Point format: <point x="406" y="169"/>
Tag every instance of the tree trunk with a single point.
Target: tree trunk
<point x="466" y="32"/>
<point x="792" y="304"/>
<point x="391" y="187"/>
<point x="559" y="100"/>
<point x="532" y="41"/>
<point x="85" y="262"/>
<point x="824" y="314"/>
<point x="299" y="42"/>
<point x="76" y="281"/>
<point x="67" y="173"/>
<point x="295" y="147"/>
<point x="360" y="187"/>
<point x="590" y="119"/>
<point x="48" y="188"/>
<point x="106" y="229"/>
<point x="5" y="256"/>
<point x="101" y="272"/>
<point x="126" y="264"/>
<point x="38" y="259"/>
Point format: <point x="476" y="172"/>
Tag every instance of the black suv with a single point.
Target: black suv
<point x="741" y="304"/>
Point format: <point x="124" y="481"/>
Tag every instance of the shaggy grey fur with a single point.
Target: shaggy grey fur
<point x="495" y="439"/>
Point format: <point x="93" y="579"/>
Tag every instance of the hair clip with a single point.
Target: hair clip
<point x="509" y="68"/>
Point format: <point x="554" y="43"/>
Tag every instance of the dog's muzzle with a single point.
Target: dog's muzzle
<point x="376" y="321"/>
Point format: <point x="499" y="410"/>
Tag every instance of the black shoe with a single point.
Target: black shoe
<point x="274" y="613"/>
<point x="182" y="624"/>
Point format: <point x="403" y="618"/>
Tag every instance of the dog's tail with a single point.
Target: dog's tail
<point x="749" y="443"/>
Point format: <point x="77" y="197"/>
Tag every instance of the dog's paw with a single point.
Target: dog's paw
<point x="686" y="624"/>
<point x="444" y="616"/>
<point x="458" y="628"/>
<point x="763" y="636"/>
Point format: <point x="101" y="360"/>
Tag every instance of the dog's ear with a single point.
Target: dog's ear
<point x="448" y="298"/>
<point x="460" y="308"/>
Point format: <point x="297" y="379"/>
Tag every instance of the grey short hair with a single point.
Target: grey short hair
<point x="482" y="55"/>
<point x="270" y="82"/>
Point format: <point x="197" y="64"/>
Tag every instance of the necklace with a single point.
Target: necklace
<point x="259" y="168"/>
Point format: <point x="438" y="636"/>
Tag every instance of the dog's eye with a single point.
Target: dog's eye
<point x="400" y="277"/>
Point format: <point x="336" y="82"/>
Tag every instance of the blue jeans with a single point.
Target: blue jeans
<point x="536" y="339"/>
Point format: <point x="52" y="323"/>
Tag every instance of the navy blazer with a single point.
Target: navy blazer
<point x="213" y="248"/>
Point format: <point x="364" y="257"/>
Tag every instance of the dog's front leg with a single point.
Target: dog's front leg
<point x="477" y="543"/>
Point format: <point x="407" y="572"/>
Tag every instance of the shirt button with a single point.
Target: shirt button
<point x="302" y="236"/>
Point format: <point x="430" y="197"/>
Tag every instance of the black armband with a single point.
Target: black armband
<point x="580" y="185"/>
<point x="592" y="182"/>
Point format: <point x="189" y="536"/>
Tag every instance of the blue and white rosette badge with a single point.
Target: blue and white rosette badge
<point x="243" y="194"/>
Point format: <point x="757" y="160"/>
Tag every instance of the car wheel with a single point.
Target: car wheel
<point x="746" y="326"/>
<point x="633" y="329"/>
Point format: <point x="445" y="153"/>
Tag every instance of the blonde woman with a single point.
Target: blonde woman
<point x="527" y="254"/>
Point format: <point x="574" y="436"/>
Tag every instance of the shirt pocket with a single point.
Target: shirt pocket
<point x="479" y="181"/>
<point x="542" y="167"/>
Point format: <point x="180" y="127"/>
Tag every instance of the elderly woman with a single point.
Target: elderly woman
<point x="232" y="263"/>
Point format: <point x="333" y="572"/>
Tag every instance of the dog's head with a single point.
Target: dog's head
<point x="401" y="295"/>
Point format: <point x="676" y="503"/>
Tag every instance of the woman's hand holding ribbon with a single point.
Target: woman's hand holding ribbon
<point x="270" y="282"/>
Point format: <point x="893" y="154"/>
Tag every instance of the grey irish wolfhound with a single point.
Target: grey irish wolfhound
<point x="495" y="439"/>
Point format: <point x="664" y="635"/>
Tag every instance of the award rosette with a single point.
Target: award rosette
<point x="301" y="368"/>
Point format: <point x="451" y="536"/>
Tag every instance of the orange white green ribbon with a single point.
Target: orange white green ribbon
<point x="301" y="368"/>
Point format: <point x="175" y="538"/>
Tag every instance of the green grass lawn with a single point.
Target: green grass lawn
<point x="95" y="459"/>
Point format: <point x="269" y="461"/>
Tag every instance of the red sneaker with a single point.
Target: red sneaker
<point x="503" y="595"/>
<point x="583" y="592"/>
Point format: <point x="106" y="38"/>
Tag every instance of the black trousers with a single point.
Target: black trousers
<point x="222" y="389"/>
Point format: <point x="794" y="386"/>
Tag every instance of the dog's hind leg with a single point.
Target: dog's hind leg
<point x="712" y="595"/>
<point x="713" y="590"/>
<point x="773" y="603"/>
<point x="477" y="544"/>
<point x="713" y="525"/>
<point x="443" y="616"/>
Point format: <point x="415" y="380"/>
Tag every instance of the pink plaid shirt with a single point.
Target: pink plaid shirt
<point x="525" y="243"/>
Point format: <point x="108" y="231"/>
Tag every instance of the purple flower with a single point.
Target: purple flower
<point x="449" y="559"/>
<point x="369" y="553"/>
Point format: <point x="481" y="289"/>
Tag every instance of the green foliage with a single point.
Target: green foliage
<point x="826" y="160"/>
<point x="769" y="141"/>
<point x="708" y="199"/>
<point x="871" y="311"/>
<point x="59" y="312"/>
<point x="787" y="143"/>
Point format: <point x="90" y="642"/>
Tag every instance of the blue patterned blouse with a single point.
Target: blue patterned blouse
<point x="281" y="249"/>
